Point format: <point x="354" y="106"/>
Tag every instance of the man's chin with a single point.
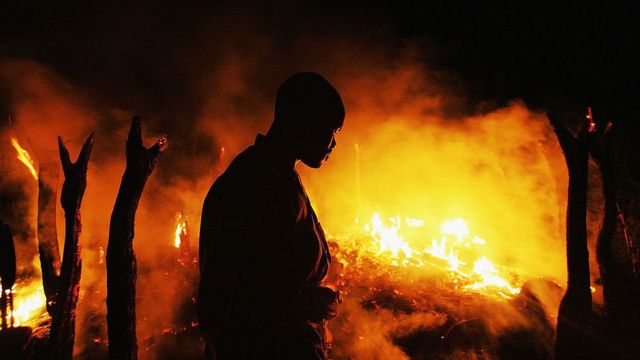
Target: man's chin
<point x="315" y="164"/>
<point x="316" y="161"/>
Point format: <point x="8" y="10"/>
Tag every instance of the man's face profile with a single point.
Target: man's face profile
<point x="309" y="113"/>
<point x="317" y="146"/>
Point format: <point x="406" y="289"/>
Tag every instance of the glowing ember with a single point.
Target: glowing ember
<point x="29" y="304"/>
<point x="387" y="237"/>
<point x="24" y="157"/>
<point x="490" y="277"/>
<point x="456" y="251"/>
<point x="181" y="230"/>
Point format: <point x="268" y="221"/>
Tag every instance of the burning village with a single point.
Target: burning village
<point x="475" y="194"/>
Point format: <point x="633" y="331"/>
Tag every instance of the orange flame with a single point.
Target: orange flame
<point x="24" y="157"/>
<point x="29" y="304"/>
<point x="181" y="230"/>
<point x="456" y="247"/>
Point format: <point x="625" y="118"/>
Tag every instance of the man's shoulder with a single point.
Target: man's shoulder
<point x="246" y="166"/>
<point x="247" y="159"/>
<point x="248" y="169"/>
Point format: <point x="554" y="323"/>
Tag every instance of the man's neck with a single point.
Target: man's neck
<point x="282" y="148"/>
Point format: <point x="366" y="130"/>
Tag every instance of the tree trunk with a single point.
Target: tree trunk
<point x="47" y="232"/>
<point x="620" y="295"/>
<point x="574" y="314"/>
<point x="121" y="261"/>
<point x="604" y="250"/>
<point x="7" y="273"/>
<point x="64" y="318"/>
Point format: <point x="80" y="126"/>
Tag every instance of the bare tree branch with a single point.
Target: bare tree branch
<point x="121" y="260"/>
<point x="64" y="318"/>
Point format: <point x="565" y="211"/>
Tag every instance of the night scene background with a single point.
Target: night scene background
<point x="446" y="119"/>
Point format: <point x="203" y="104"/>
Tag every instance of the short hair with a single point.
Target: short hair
<point x="308" y="96"/>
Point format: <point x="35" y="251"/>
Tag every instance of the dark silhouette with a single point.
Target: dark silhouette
<point x="609" y="274"/>
<point x="575" y="314"/>
<point x="581" y="332"/>
<point x="63" y="320"/>
<point x="263" y="253"/>
<point x="12" y="339"/>
<point x="121" y="260"/>
<point x="48" y="247"/>
<point x="7" y="275"/>
<point x="620" y="294"/>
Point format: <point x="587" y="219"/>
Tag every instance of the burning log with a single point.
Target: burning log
<point x="121" y="261"/>
<point x="63" y="320"/>
<point x="574" y="314"/>
<point x="47" y="232"/>
<point x="7" y="273"/>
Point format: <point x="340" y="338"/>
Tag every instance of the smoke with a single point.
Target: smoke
<point x="501" y="171"/>
<point x="207" y="77"/>
<point x="372" y="333"/>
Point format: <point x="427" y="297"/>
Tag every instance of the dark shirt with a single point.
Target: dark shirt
<point x="261" y="246"/>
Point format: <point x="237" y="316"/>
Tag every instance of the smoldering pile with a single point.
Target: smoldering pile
<point x="388" y="315"/>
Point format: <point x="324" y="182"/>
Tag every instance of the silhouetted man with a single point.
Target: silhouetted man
<point x="263" y="253"/>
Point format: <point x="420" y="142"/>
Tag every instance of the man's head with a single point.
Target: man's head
<point x="309" y="112"/>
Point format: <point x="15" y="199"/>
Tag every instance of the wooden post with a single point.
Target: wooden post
<point x="620" y="294"/>
<point x="47" y="232"/>
<point x="574" y="314"/>
<point x="7" y="273"/>
<point x="604" y="250"/>
<point x="121" y="260"/>
<point x="64" y="318"/>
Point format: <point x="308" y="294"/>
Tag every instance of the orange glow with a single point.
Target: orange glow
<point x="387" y="237"/>
<point x="181" y="230"/>
<point x="29" y="303"/>
<point x="25" y="158"/>
<point x="470" y="209"/>
<point x="456" y="251"/>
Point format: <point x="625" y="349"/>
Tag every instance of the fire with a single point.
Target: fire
<point x="490" y="276"/>
<point x="25" y="158"/>
<point x="387" y="237"/>
<point x="181" y="230"/>
<point x="29" y="304"/>
<point x="456" y="251"/>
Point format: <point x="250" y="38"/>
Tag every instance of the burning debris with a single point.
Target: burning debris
<point x="24" y="298"/>
<point x="454" y="251"/>
<point x="182" y="239"/>
<point x="181" y="231"/>
<point x="7" y="276"/>
<point x="420" y="292"/>
<point x="30" y="305"/>
<point x="25" y="158"/>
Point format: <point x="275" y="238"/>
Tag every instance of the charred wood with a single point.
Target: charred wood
<point x="620" y="294"/>
<point x="7" y="273"/>
<point x="47" y="232"/>
<point x="121" y="260"/>
<point x="574" y="314"/>
<point x="64" y="312"/>
<point x="606" y="261"/>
